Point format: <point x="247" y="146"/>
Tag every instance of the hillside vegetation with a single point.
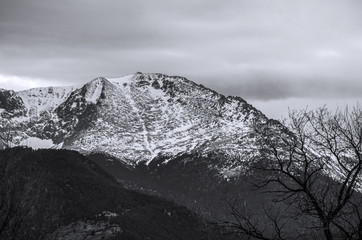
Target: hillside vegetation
<point x="61" y="194"/>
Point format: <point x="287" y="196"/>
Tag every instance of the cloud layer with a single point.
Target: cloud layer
<point x="255" y="49"/>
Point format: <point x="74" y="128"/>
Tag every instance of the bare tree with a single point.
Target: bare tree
<point x="314" y="172"/>
<point x="6" y="133"/>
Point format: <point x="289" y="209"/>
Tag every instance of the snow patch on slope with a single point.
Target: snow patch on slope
<point x="94" y="90"/>
<point x="39" y="100"/>
<point x="37" y="143"/>
<point x="121" y="80"/>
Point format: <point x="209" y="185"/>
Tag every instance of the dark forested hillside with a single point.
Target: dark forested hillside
<point x="192" y="181"/>
<point x="60" y="194"/>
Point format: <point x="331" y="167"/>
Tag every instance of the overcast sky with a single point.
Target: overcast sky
<point x="273" y="53"/>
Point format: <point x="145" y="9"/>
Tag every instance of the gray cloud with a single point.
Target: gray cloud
<point x="255" y="49"/>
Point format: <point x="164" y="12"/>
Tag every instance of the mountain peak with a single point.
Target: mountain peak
<point x="149" y="77"/>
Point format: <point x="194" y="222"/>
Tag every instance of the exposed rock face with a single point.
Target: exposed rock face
<point x="10" y="104"/>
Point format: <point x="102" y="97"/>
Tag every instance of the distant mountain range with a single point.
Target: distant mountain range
<point x="136" y="119"/>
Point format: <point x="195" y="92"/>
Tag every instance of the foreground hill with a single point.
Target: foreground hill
<point x="60" y="194"/>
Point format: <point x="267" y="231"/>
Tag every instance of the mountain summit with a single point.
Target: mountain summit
<point x="135" y="118"/>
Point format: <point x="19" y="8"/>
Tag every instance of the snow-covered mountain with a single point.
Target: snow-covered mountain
<point x="135" y="118"/>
